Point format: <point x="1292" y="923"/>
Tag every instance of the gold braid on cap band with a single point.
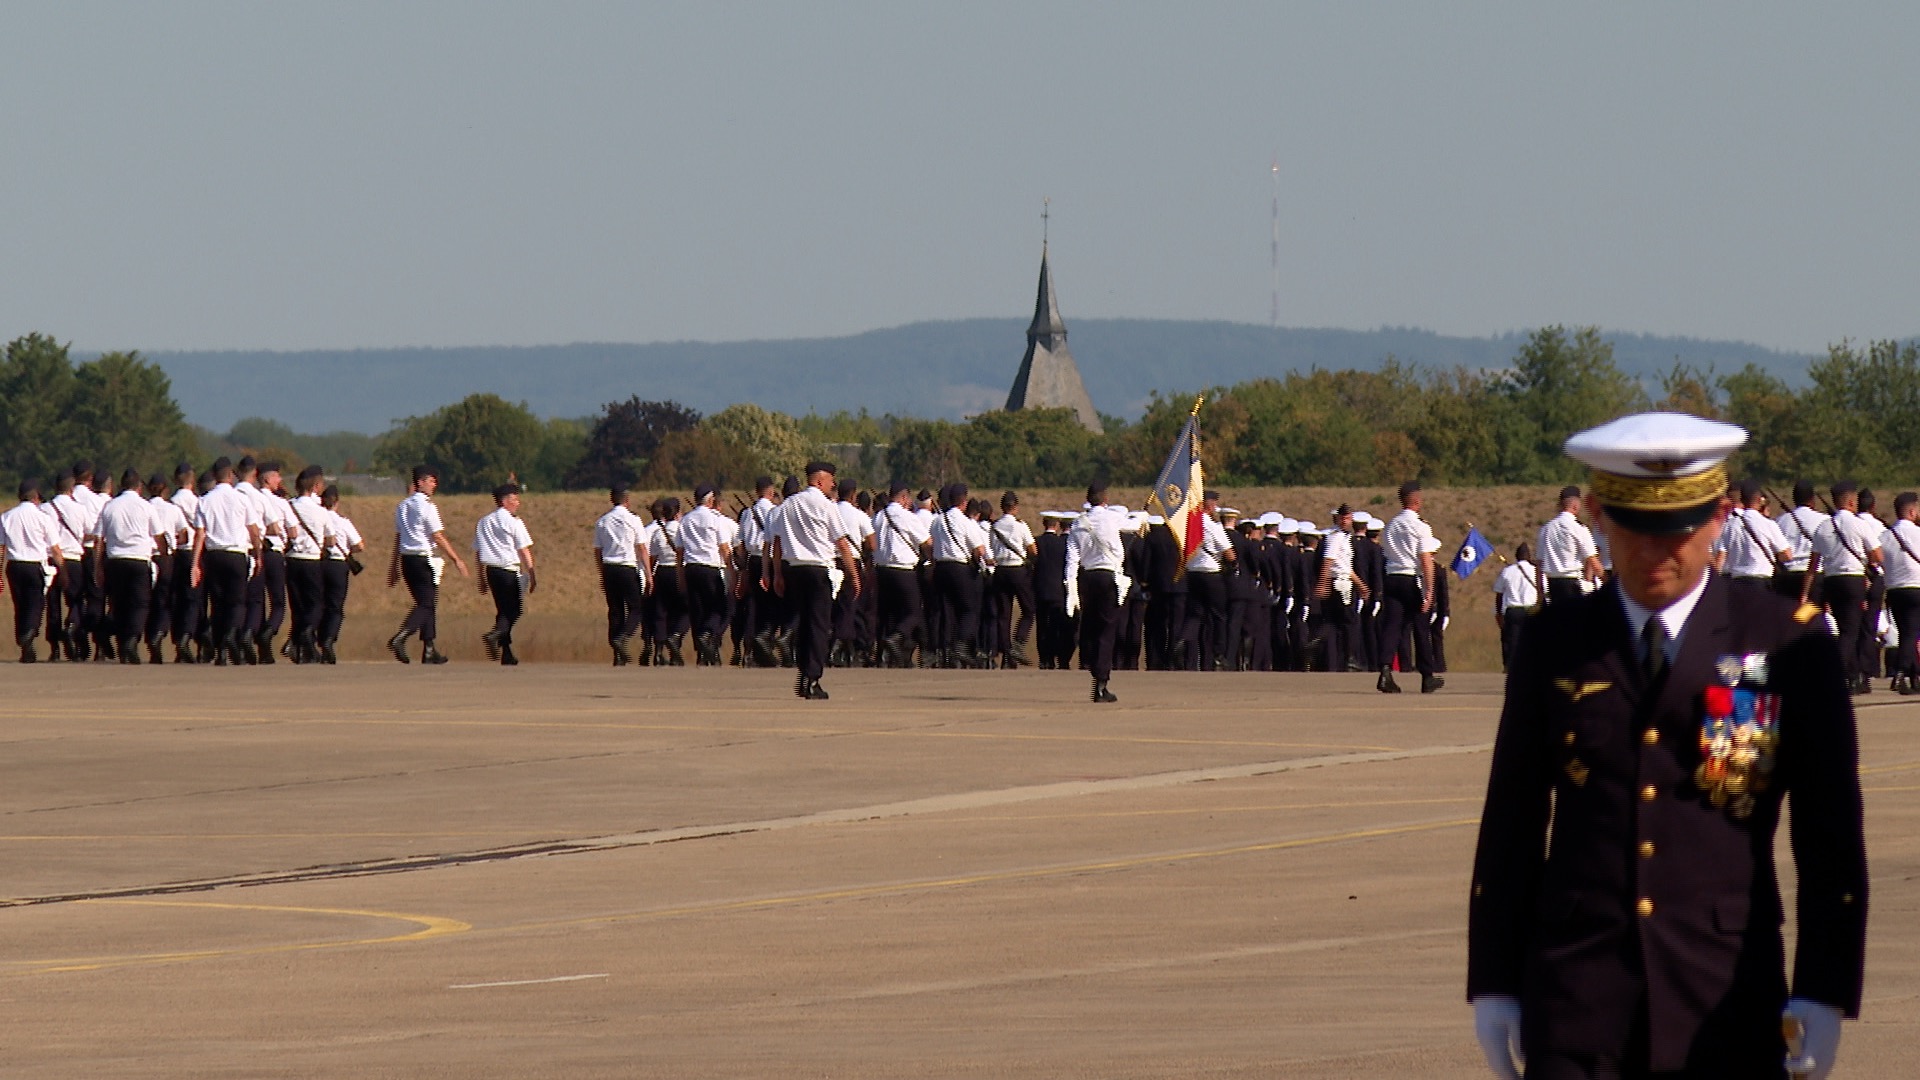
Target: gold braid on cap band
<point x="1658" y="492"/>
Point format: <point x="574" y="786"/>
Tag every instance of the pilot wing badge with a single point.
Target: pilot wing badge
<point x="1577" y="690"/>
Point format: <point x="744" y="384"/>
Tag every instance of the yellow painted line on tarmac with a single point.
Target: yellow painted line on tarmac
<point x="430" y="926"/>
<point x="1903" y="766"/>
<point x="1889" y="790"/>
<point x="196" y="837"/>
<point x="864" y="892"/>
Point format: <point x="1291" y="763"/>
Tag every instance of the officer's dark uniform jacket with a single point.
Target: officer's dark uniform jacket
<point x="1651" y="898"/>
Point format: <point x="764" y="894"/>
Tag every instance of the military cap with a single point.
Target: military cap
<point x="1658" y="473"/>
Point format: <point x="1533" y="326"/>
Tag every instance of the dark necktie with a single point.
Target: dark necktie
<point x="1653" y="649"/>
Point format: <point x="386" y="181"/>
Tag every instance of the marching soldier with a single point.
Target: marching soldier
<point x="503" y="554"/>
<point x="1567" y="557"/>
<point x="306" y="571"/>
<point x="1845" y="550"/>
<point x="1013" y="551"/>
<point x="417" y="536"/>
<point x="1660" y="722"/>
<point x="1902" y="565"/>
<point x="169" y="565"/>
<point x="66" y="598"/>
<point x="755" y="607"/>
<point x="621" y="559"/>
<point x="129" y="535"/>
<point x="227" y="530"/>
<point x="336" y="572"/>
<point x="901" y="544"/>
<point x="1054" y="629"/>
<point x="1207" y="598"/>
<point x="1752" y="549"/>
<point x="1516" y="598"/>
<point x="1798" y="526"/>
<point x="29" y="539"/>
<point x="1095" y="552"/>
<point x="811" y="536"/>
<point x="1409" y="582"/>
<point x="1339" y="589"/>
<point x="703" y="552"/>
<point x="959" y="550"/>
<point x="189" y="599"/>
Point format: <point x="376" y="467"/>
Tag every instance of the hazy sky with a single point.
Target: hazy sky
<point x="333" y="175"/>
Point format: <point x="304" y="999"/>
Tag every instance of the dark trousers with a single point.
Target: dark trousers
<point x="273" y="571"/>
<point x="758" y="609"/>
<point x="334" y="578"/>
<point x="1846" y="597"/>
<point x="958" y="586"/>
<point x="1233" y="654"/>
<point x="64" y="602"/>
<point x="706" y="596"/>
<point x="27" y="581"/>
<point x="810" y="595"/>
<point x="1563" y="590"/>
<point x="423" y="619"/>
<point x="1512" y="623"/>
<point x="1399" y="610"/>
<point x="1011" y="583"/>
<point x="508" y="601"/>
<point x="1166" y="627"/>
<point x="129" y="587"/>
<point x="1099" y="622"/>
<point x="621" y="586"/>
<point x="900" y="607"/>
<point x="94" y="620"/>
<point x="1337" y="628"/>
<point x="188" y="600"/>
<point x="306" y="596"/>
<point x="160" y="608"/>
<point x="1257" y="626"/>
<point x="1206" y="619"/>
<point x="1789" y="582"/>
<point x="669" y="605"/>
<point x="1870" y="633"/>
<point x="224" y="576"/>
<point x="1056" y="632"/>
<point x="1904" y="605"/>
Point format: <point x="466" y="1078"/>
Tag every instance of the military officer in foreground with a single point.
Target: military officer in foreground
<point x="1659" y="722"/>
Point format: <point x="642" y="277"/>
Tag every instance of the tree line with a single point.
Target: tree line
<point x="1458" y="427"/>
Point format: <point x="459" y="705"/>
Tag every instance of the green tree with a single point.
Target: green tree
<point x="475" y="443"/>
<point x="1562" y="385"/>
<point x="773" y="440"/>
<point x="926" y="452"/>
<point x="624" y="436"/>
<point x="1029" y="447"/>
<point x="38" y="436"/>
<point x="686" y="459"/>
<point x="563" y="444"/>
<point x="126" y="407"/>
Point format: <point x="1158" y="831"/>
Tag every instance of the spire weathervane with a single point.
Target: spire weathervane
<point x="1046" y="209"/>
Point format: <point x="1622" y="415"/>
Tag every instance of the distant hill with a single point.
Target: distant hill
<point x="934" y="369"/>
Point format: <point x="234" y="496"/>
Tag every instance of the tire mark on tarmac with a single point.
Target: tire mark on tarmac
<point x="936" y="804"/>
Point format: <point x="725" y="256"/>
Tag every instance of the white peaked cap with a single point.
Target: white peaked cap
<point x="1656" y="444"/>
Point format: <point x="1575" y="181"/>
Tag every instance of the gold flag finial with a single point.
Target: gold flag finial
<point x="1197" y="402"/>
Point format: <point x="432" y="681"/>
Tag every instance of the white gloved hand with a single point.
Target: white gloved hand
<point x="1376" y="609"/>
<point x="1289" y="605"/>
<point x="1444" y="620"/>
<point x="1496" y="1023"/>
<point x="1819" y="1041"/>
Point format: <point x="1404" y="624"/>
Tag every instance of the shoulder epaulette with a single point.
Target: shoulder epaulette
<point x="1805" y="612"/>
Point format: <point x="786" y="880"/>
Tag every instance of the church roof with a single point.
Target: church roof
<point x="1049" y="379"/>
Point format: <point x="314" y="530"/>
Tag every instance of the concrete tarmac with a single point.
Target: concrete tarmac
<point x="376" y="870"/>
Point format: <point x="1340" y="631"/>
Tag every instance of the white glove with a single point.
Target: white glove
<point x="1376" y="609"/>
<point x="1444" y="620"/>
<point x="1819" y="1041"/>
<point x="1289" y="605"/>
<point x="1496" y="1023"/>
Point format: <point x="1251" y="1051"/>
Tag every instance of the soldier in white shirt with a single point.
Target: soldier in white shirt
<point x="667" y="619"/>
<point x="246" y="476"/>
<point x="1012" y="547"/>
<point x="1844" y="550"/>
<point x="272" y="589"/>
<point x="1207" y="599"/>
<point x="1338" y="589"/>
<point x="1870" y="645"/>
<point x="1901" y="548"/>
<point x="28" y="539"/>
<point x="812" y="535"/>
<point x="1567" y="557"/>
<point x="418" y="535"/>
<point x="958" y="552"/>
<point x="342" y="562"/>
<point x="169" y="565"/>
<point x="95" y="628"/>
<point x="306" y="524"/>
<point x="227" y="529"/>
<point x="623" y="564"/>
<point x="1407" y="545"/>
<point x="1751" y="549"/>
<point x="1798" y="526"/>
<point x="1516" y="596"/>
<point x="1096" y="558"/>
<point x="755" y="612"/>
<point x="189" y="601"/>
<point x="704" y="553"/>
<point x="503" y="557"/>
<point x="901" y="544"/>
<point x="129" y="536"/>
<point x="850" y="645"/>
<point x="66" y="600"/>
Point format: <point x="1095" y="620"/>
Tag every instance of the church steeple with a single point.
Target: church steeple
<point x="1049" y="379"/>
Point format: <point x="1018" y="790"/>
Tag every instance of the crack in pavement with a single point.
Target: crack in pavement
<point x="933" y="804"/>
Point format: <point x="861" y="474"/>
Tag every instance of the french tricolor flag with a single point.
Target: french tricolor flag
<point x="1179" y="489"/>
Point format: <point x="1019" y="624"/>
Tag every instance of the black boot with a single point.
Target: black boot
<point x="1430" y="683"/>
<point x="155" y="654"/>
<point x="28" y="654"/>
<point x="706" y="649"/>
<point x="327" y="655"/>
<point x="263" y="647"/>
<point x="1102" y="695"/>
<point x="621" y="655"/>
<point x="1385" y="683"/>
<point x="431" y="655"/>
<point x="397" y="645"/>
<point x="490" y="641"/>
<point x="675" y="658"/>
<point x="129" y="651"/>
<point x="507" y="659"/>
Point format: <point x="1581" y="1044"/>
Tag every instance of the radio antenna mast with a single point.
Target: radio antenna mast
<point x="1273" y="318"/>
